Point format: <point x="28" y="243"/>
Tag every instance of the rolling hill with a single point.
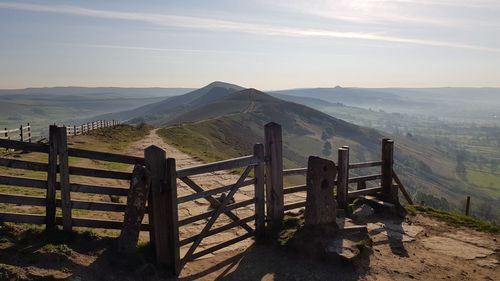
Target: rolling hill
<point x="170" y="107"/>
<point x="229" y="126"/>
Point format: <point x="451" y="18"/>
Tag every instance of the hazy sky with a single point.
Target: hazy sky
<point x="254" y="43"/>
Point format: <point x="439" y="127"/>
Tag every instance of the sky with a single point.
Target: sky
<point x="254" y="43"/>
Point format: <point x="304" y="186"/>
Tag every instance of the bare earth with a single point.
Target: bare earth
<point x="418" y="248"/>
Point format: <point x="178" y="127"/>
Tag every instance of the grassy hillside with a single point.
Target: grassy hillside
<point x="229" y="127"/>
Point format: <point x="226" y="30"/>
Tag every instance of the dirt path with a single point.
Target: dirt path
<point x="206" y="181"/>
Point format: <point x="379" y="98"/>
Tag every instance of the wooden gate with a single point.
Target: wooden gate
<point x="164" y="204"/>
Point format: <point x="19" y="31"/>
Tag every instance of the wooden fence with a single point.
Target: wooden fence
<point x="58" y="154"/>
<point x="267" y="201"/>
<point x="23" y="133"/>
<point x="75" y="130"/>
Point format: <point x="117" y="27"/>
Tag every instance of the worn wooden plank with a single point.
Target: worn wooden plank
<point x="26" y="146"/>
<point x="22" y="200"/>
<point x="365" y="178"/>
<point x="296" y="205"/>
<point x="295" y="172"/>
<point x="105" y="190"/>
<point x="210" y="192"/>
<point x="22" y="218"/>
<point x="386" y="170"/>
<point x="365" y="164"/>
<point x="218" y="230"/>
<point x="218" y="166"/>
<point x="274" y="173"/>
<point x="155" y="158"/>
<point x="23" y="182"/>
<point x="295" y="188"/>
<point x="343" y="177"/>
<point x="94" y="206"/>
<point x="50" y="208"/>
<point x="259" y="191"/>
<point x="467" y="206"/>
<point x="94" y="223"/>
<point x="88" y="172"/>
<point x="361" y="192"/>
<point x="25" y="165"/>
<point x="226" y="209"/>
<point x="105" y="156"/>
<point x="62" y="151"/>
<point x="172" y="220"/>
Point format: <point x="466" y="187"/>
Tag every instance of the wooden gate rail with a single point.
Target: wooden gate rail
<point x="164" y="236"/>
<point x="215" y="214"/>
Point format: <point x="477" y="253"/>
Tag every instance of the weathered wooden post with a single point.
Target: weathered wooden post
<point x="21" y="135"/>
<point x="29" y="132"/>
<point x="467" y="206"/>
<point x="274" y="173"/>
<point x="163" y="216"/>
<point x="343" y="178"/>
<point x="321" y="207"/>
<point x="74" y="130"/>
<point x="135" y="210"/>
<point x="7" y="134"/>
<point x="259" y="176"/>
<point x="390" y="193"/>
<point x="50" y="203"/>
<point x="62" y="151"/>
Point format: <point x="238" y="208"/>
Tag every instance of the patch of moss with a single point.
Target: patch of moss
<point x="292" y="222"/>
<point x="57" y="249"/>
<point x="456" y="218"/>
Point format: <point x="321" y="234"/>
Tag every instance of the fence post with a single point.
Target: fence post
<point x="21" y="133"/>
<point x="274" y="173"/>
<point x="467" y="206"/>
<point x="390" y="193"/>
<point x="7" y="133"/>
<point x="62" y="151"/>
<point x="163" y="212"/>
<point x="50" y="205"/>
<point x="29" y="132"/>
<point x="342" y="178"/>
<point x="74" y="130"/>
<point x="259" y="176"/>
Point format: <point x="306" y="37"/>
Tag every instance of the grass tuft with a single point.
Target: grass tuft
<point x="456" y="218"/>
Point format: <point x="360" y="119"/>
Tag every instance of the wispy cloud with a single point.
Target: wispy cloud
<point x="232" y="26"/>
<point x="156" y="49"/>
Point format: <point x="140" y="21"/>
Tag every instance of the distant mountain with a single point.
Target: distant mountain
<point x="105" y="91"/>
<point x="476" y="104"/>
<point x="166" y="109"/>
